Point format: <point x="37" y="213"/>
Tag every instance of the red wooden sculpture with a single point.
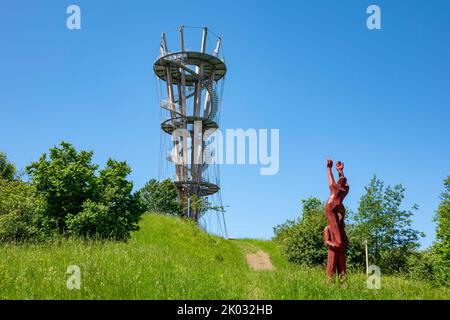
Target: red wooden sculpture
<point x="334" y="234"/>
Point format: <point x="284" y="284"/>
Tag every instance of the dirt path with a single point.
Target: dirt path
<point x="259" y="261"/>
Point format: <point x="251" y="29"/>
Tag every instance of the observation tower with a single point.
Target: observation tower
<point x="190" y="84"/>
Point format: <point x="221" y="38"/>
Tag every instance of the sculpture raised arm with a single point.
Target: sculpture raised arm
<point x="331" y="181"/>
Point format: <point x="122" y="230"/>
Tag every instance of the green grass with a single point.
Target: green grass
<point x="173" y="259"/>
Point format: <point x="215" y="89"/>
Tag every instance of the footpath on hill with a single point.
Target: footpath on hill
<point x="259" y="260"/>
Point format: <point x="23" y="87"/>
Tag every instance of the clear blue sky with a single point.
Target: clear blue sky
<point x="378" y="100"/>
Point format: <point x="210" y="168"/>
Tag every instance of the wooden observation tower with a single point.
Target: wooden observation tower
<point x="190" y="88"/>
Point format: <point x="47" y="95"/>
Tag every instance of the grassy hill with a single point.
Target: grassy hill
<point x="173" y="259"/>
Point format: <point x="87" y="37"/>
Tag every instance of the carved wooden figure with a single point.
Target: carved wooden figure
<point x="335" y="237"/>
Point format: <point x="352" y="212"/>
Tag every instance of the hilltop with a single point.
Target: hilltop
<point x="169" y="258"/>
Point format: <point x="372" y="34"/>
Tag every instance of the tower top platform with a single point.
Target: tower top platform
<point x="185" y="60"/>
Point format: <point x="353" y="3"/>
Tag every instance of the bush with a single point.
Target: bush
<point x="161" y="197"/>
<point x="98" y="221"/>
<point x="94" y="220"/>
<point x="442" y="262"/>
<point x="394" y="260"/>
<point x="356" y="251"/>
<point x="302" y="241"/>
<point x="65" y="181"/>
<point x="421" y="266"/>
<point x="124" y="207"/>
<point x="18" y="211"/>
<point x="78" y="200"/>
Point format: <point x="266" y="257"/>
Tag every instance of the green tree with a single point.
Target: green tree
<point x="302" y="241"/>
<point x="117" y="210"/>
<point x="78" y="200"/>
<point x="198" y="205"/>
<point x="65" y="180"/>
<point x="160" y="197"/>
<point x="386" y="226"/>
<point x="7" y="169"/>
<point x="18" y="206"/>
<point x="442" y="246"/>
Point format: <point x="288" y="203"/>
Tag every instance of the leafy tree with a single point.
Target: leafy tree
<point x="160" y="197"/>
<point x="78" y="200"/>
<point x="65" y="180"/>
<point x="117" y="190"/>
<point x="442" y="247"/>
<point x="18" y="207"/>
<point x="7" y="169"/>
<point x="198" y="205"/>
<point x="386" y="226"/>
<point x="117" y="210"/>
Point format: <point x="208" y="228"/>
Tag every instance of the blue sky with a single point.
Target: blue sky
<point x="377" y="100"/>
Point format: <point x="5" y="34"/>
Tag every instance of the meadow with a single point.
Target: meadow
<point x="169" y="258"/>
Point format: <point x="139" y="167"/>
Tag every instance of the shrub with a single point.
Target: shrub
<point x="65" y="181"/>
<point x="94" y="220"/>
<point x="394" y="260"/>
<point x="301" y="241"/>
<point x="421" y="266"/>
<point x="161" y="197"/>
<point x="80" y="201"/>
<point x="18" y="208"/>
<point x="356" y="250"/>
<point x="124" y="207"/>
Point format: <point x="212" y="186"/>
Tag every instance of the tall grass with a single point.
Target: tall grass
<point x="173" y="259"/>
